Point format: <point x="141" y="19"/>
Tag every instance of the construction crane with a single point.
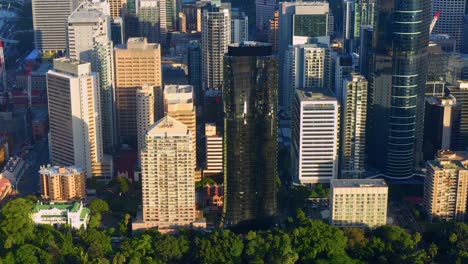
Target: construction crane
<point x="434" y="21"/>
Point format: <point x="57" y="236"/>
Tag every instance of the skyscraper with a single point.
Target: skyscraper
<point x="264" y="12"/>
<point x="314" y="137"/>
<point x="353" y="127"/>
<point x="179" y="104"/>
<point x="149" y="21"/>
<point x="117" y="8"/>
<point x="250" y="95"/>
<point x="50" y="20"/>
<point x="357" y="13"/>
<point x="239" y="26"/>
<point x="214" y="150"/>
<point x="195" y="69"/>
<point x="451" y="19"/>
<point x="145" y="99"/>
<point x="460" y="91"/>
<point x="75" y="118"/>
<point x="89" y="40"/>
<point x="349" y="13"/>
<point x="168" y="176"/>
<point x="2" y="67"/>
<point x="398" y="86"/>
<point x="216" y="36"/>
<point x="137" y="63"/>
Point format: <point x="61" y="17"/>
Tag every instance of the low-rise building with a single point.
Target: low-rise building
<point x="57" y="214"/>
<point x="358" y="202"/>
<point x="63" y="183"/>
<point x="5" y="187"/>
<point x="14" y="169"/>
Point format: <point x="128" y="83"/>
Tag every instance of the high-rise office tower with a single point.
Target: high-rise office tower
<point x="50" y="23"/>
<point x="305" y="66"/>
<point x="182" y="23"/>
<point x="366" y="52"/>
<point x="193" y="14"/>
<point x="214" y="150"/>
<point x="451" y="19"/>
<point x="358" y="202"/>
<point x="137" y="63"/>
<point x="168" y="176"/>
<point x="250" y="95"/>
<point x="216" y="36"/>
<point x="314" y="137"/>
<point x="301" y="23"/>
<point x="3" y="79"/>
<point x="460" y="91"/>
<point x="179" y="104"/>
<point x="398" y="86"/>
<point x="349" y="13"/>
<point x="356" y="14"/>
<point x="344" y="65"/>
<point x="75" y="118"/>
<point x="89" y="40"/>
<point x="195" y="69"/>
<point x="63" y="183"/>
<point x="441" y="125"/>
<point x="145" y="99"/>
<point x="117" y="8"/>
<point x="117" y="31"/>
<point x="239" y="26"/>
<point x="353" y="126"/>
<point x="273" y="33"/>
<point x="446" y="186"/>
<point x="264" y="12"/>
<point x="149" y="20"/>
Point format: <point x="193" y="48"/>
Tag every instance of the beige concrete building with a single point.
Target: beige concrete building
<point x="117" y="8"/>
<point x="63" y="183"/>
<point x="137" y="63"/>
<point x="358" y="202"/>
<point x="75" y="118"/>
<point x="446" y="186"/>
<point x="167" y="177"/>
<point x="214" y="150"/>
<point x="178" y="103"/>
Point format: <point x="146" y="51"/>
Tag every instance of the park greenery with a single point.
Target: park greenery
<point x="300" y="240"/>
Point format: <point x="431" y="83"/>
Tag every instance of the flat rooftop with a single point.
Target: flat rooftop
<point x="315" y="95"/>
<point x="63" y="171"/>
<point x="357" y="183"/>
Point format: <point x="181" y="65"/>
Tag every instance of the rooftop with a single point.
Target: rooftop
<point x="357" y="183"/>
<point x="168" y="125"/>
<point x="63" y="171"/>
<point x="315" y="95"/>
<point x="447" y="165"/>
<point x="71" y="207"/>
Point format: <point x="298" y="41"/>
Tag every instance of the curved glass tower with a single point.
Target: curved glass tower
<point x="397" y="90"/>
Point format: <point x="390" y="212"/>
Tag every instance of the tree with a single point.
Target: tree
<point x="122" y="184"/>
<point x="171" y="249"/>
<point x="95" y="220"/>
<point x="99" y="206"/>
<point x="97" y="244"/>
<point x="16" y="224"/>
<point x="218" y="247"/>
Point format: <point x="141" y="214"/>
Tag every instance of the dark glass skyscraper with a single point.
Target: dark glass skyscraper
<point x="398" y="85"/>
<point x="250" y="95"/>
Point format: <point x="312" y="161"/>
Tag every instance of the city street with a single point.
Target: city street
<point x="38" y="156"/>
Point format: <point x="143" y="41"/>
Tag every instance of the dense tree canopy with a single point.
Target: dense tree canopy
<point x="302" y="241"/>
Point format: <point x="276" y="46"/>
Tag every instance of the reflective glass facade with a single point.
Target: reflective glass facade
<point x="310" y="25"/>
<point x="250" y="95"/>
<point x="398" y="85"/>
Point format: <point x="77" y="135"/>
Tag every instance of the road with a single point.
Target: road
<point x="30" y="182"/>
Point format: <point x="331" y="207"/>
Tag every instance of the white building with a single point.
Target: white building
<point x="75" y="118"/>
<point x="358" y="203"/>
<point x="89" y="40"/>
<point x="451" y="19"/>
<point x="214" y="150"/>
<point x="239" y="26"/>
<point x="353" y="126"/>
<point x="216" y="36"/>
<point x="168" y="177"/>
<point x="315" y="134"/>
<point x="73" y="214"/>
<point x="50" y="20"/>
<point x="145" y="100"/>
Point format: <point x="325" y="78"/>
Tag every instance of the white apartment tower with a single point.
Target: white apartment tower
<point x="306" y="66"/>
<point x="358" y="202"/>
<point x="145" y="99"/>
<point x="353" y="127"/>
<point x="216" y="36"/>
<point x="168" y="176"/>
<point x="50" y="20"/>
<point x="75" y="118"/>
<point x="451" y="19"/>
<point x="89" y="40"/>
<point x="315" y="134"/>
<point x="214" y="150"/>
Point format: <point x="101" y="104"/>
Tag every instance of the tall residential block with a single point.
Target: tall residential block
<point x="216" y="36"/>
<point x="75" y="118"/>
<point x="179" y="104"/>
<point x="250" y="95"/>
<point x="145" y="99"/>
<point x="451" y="19"/>
<point x="397" y="87"/>
<point x="168" y="177"/>
<point x="137" y="63"/>
<point x="63" y="183"/>
<point x="89" y="40"/>
<point x="358" y="202"/>
<point x="50" y="20"/>
<point x="117" y="8"/>
<point x="446" y="186"/>
<point x="353" y="127"/>
<point x="214" y="150"/>
<point x="239" y="26"/>
<point x="314" y="137"/>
